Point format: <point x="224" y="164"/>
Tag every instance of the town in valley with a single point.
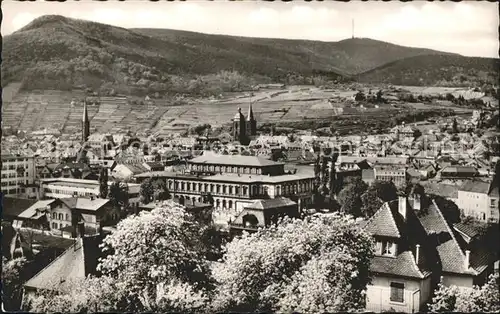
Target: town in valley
<point x="148" y="169"/>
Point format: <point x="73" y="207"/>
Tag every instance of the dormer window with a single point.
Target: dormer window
<point x="386" y="248"/>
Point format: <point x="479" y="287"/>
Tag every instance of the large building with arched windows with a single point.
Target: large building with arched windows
<point x="235" y="181"/>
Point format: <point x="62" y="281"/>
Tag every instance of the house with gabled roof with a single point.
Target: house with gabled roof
<point x="480" y="200"/>
<point x="402" y="265"/>
<point x="461" y="262"/>
<point x="77" y="262"/>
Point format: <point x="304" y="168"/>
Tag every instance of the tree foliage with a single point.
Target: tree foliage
<point x="146" y="191"/>
<point x="154" y="263"/>
<point x="160" y="190"/>
<point x="484" y="299"/>
<point x="319" y="264"/>
<point x="12" y="282"/>
<point x="350" y="197"/>
<point x="103" y="183"/>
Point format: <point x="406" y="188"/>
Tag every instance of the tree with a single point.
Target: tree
<point x="12" y="282"/>
<point x="360" y="96"/>
<point x="379" y="96"/>
<point x="484" y="299"/>
<point x="319" y="264"/>
<point x="146" y="191"/>
<point x="160" y="190"/>
<point x="118" y="196"/>
<point x="376" y="194"/>
<point x="153" y="264"/>
<point x="350" y="197"/>
<point x="103" y="183"/>
<point x="454" y="126"/>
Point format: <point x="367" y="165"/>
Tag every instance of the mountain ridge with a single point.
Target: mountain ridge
<point x="54" y="51"/>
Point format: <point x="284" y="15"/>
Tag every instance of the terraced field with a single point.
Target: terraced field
<point x="63" y="110"/>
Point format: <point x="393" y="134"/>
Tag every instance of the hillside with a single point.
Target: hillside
<point x="437" y="70"/>
<point x="55" y="52"/>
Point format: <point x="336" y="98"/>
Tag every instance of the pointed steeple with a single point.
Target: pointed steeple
<point x="250" y="116"/>
<point x="85" y="123"/>
<point x="252" y="123"/>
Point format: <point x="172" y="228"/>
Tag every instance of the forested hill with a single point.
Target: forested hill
<point x="55" y="52"/>
<point x="440" y="70"/>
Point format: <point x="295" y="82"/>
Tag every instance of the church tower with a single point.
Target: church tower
<point x="239" y="127"/>
<point x="85" y="123"/>
<point x="251" y="122"/>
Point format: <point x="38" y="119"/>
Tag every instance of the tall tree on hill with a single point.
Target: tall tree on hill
<point x="103" y="183"/>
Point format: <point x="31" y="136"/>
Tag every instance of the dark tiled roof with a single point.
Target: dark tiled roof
<point x="475" y="186"/>
<point x="13" y="206"/>
<point x="448" y="248"/>
<point x="271" y="203"/>
<point x="383" y="223"/>
<point x="252" y="161"/>
<point x="460" y="169"/>
<point x="467" y="229"/>
<point x="402" y="265"/>
<point x="78" y="261"/>
<point x="44" y="240"/>
<point x="85" y="203"/>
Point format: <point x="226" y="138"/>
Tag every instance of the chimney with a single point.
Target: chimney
<point x="81" y="229"/>
<point x="402" y="206"/>
<point x="417" y="202"/>
<point x="467" y="259"/>
<point x="417" y="254"/>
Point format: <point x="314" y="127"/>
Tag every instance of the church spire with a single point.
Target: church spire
<point x="250" y="116"/>
<point x="85" y="123"/>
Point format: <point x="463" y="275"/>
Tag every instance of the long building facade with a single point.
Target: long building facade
<point x="234" y="182"/>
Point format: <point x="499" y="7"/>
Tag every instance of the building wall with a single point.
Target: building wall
<point x="88" y="188"/>
<point x="12" y="179"/>
<point x="478" y="205"/>
<point x="456" y="280"/>
<point x="416" y="293"/>
<point x="60" y="217"/>
<point x="241" y="169"/>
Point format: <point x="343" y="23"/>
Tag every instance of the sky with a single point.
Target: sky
<point x="469" y="28"/>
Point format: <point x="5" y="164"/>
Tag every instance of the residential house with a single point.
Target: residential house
<point x="416" y="248"/>
<point x="57" y="215"/>
<point x="402" y="265"/>
<point x="72" y="170"/>
<point x="461" y="263"/>
<point x="77" y="262"/>
<point x="13" y="206"/>
<point x="480" y="200"/>
<point x="398" y="175"/>
<point x="127" y="171"/>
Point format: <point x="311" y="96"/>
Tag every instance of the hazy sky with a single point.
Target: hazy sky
<point x="468" y="28"/>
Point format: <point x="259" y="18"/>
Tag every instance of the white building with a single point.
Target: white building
<point x="18" y="174"/>
<point x="67" y="187"/>
<point x="479" y="200"/>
